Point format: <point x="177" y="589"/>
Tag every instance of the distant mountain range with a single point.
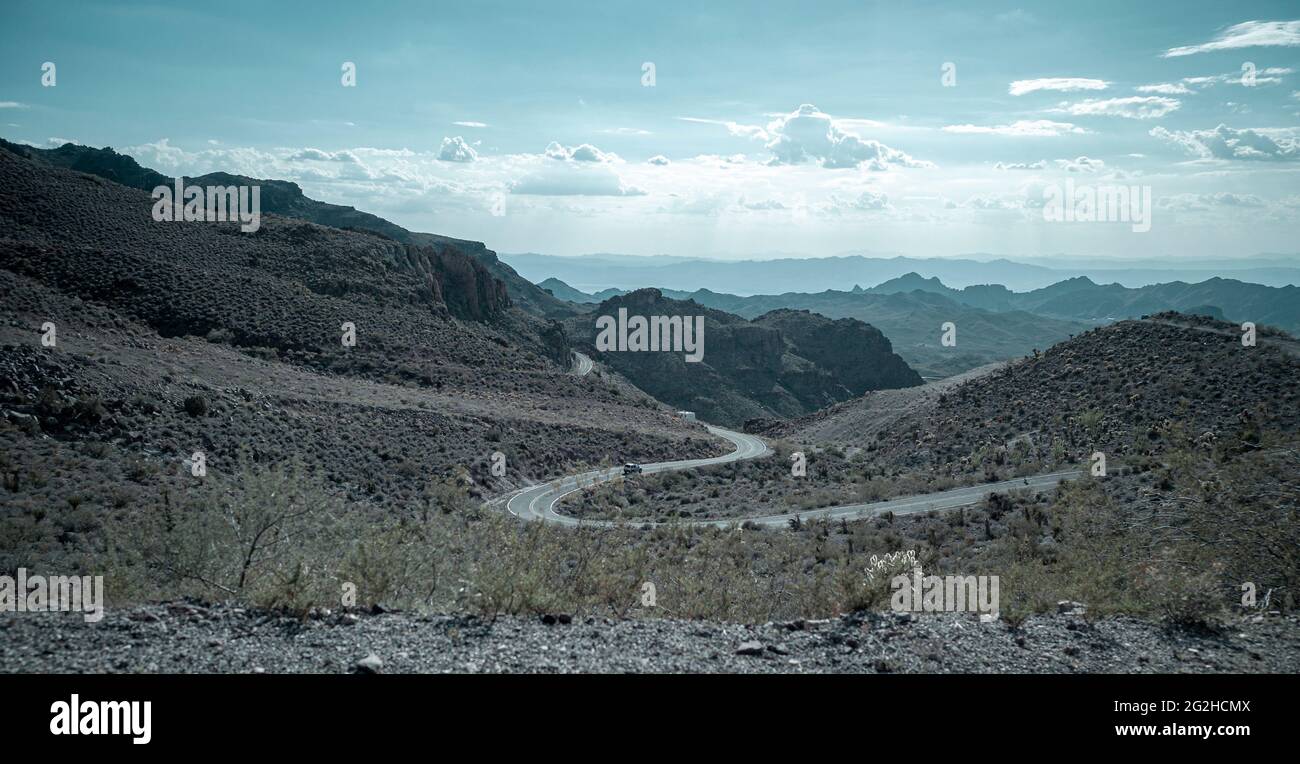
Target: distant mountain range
<point x="912" y="322"/>
<point x="816" y="274"/>
<point x="1081" y="298"/>
<point x="995" y="323"/>
<point x="566" y="292"/>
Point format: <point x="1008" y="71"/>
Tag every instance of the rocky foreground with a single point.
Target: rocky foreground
<point x="187" y="637"/>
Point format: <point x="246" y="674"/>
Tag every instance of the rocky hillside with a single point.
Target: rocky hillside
<point x="781" y="365"/>
<point x="171" y="338"/>
<point x="859" y="355"/>
<point x="1126" y="390"/>
<point x="287" y="199"/>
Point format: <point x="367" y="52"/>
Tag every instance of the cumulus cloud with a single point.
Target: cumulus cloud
<point x="1229" y="199"/>
<point x="707" y="205"/>
<point x="316" y="155"/>
<point x="1132" y="107"/>
<point x="571" y="179"/>
<point x="1019" y="128"/>
<point x="456" y="150"/>
<point x="1207" y="201"/>
<point x="1247" y="34"/>
<point x="584" y="153"/>
<point x="1225" y="142"/>
<point x="1164" y="88"/>
<point x="808" y="134"/>
<point x="1020" y="87"/>
<point x="993" y="202"/>
<point x="1081" y="164"/>
<point x="865" y="201"/>
<point x="1040" y="164"/>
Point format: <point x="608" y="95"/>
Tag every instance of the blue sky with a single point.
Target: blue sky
<point x="814" y="128"/>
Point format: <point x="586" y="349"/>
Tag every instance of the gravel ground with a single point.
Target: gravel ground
<point x="184" y="637"/>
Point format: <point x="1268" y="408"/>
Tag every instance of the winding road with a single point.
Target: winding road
<point x="582" y="365"/>
<point x="538" y="502"/>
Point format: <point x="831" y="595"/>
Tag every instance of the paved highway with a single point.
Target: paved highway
<point x="538" y="502"/>
<point x="582" y="365"/>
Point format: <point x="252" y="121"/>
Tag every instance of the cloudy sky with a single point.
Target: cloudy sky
<point x="810" y="128"/>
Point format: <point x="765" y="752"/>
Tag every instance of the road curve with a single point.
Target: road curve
<point x="582" y="365"/>
<point x="538" y="502"/>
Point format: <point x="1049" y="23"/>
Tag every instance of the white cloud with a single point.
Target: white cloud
<point x="1229" y="199"/>
<point x="1132" y="107"/>
<point x="1081" y="164"/>
<point x="456" y="150"/>
<point x="1019" y="128"/>
<point x="765" y="205"/>
<point x="1021" y="87"/>
<point x="1164" y="88"/>
<point x="708" y="205"/>
<point x="1268" y="76"/>
<point x="658" y="159"/>
<point x="470" y="124"/>
<point x="808" y="134"/>
<point x="584" y="153"/>
<point x="553" y="179"/>
<point x="1247" y="34"/>
<point x="12" y="105"/>
<point x="1039" y="165"/>
<point x="316" y="155"/>
<point x="993" y="202"/>
<point x="1206" y="201"/>
<point x="1225" y="142"/>
<point x="869" y="201"/>
<point x="735" y="128"/>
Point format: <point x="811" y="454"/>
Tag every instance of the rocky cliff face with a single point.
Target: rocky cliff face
<point x="781" y="366"/>
<point x="858" y="354"/>
<point x="460" y="282"/>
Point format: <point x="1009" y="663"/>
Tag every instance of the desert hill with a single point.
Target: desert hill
<point x="779" y="365"/>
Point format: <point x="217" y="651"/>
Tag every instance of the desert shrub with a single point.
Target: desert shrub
<point x="196" y="405"/>
<point x="265" y="535"/>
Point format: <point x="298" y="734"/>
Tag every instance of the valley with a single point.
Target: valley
<point x="373" y="462"/>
